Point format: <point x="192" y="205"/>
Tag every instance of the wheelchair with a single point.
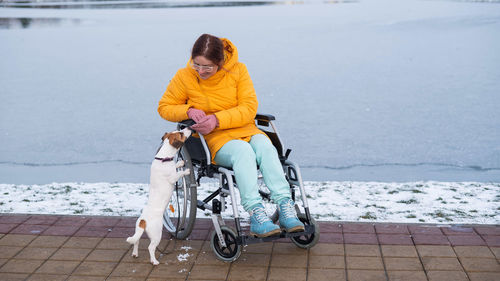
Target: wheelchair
<point x="227" y="243"/>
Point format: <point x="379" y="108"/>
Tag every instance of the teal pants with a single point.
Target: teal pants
<point x="243" y="157"/>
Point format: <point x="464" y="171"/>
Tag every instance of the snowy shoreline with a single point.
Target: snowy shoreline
<point x="409" y="202"/>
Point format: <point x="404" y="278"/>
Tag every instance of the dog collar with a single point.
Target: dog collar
<point x="166" y="159"/>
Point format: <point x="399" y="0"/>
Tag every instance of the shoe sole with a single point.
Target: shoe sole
<point x="267" y="234"/>
<point x="296" y="229"/>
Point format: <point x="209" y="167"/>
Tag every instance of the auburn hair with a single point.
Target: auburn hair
<point x="212" y="48"/>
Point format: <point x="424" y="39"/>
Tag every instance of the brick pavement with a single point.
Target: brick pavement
<point x="51" y="247"/>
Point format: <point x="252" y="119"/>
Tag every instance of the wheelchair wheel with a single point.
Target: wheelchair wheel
<point x="232" y="251"/>
<point x="307" y="241"/>
<point x="180" y="215"/>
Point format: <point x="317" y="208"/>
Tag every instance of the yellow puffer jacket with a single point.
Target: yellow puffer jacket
<point x="229" y="94"/>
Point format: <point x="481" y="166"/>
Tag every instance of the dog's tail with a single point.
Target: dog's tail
<point x="139" y="230"/>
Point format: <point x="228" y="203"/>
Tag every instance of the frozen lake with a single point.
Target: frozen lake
<point x="368" y="90"/>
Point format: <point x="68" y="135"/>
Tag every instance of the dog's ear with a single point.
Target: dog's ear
<point x="176" y="139"/>
<point x="165" y="136"/>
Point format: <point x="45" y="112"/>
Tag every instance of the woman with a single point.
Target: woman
<point x="215" y="90"/>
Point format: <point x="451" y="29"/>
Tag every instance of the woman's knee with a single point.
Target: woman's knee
<point x="235" y="151"/>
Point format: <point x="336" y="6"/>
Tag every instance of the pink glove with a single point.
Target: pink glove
<point x="195" y="114"/>
<point x="206" y="125"/>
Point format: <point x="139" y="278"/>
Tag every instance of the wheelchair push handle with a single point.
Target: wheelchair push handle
<point x="186" y="124"/>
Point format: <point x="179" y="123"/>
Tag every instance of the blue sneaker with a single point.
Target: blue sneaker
<point x="260" y="224"/>
<point x="288" y="217"/>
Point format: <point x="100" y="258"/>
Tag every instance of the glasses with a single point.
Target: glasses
<point x="198" y="67"/>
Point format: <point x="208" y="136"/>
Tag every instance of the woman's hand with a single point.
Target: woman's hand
<point x="206" y="125"/>
<point x="196" y="114"/>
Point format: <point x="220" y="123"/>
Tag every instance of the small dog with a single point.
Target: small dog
<point x="164" y="175"/>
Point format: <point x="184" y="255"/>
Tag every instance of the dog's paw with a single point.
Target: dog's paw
<point x="180" y="163"/>
<point x="155" y="262"/>
<point x="135" y="255"/>
<point x="187" y="172"/>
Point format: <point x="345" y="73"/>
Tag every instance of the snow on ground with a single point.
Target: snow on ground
<point x="410" y="202"/>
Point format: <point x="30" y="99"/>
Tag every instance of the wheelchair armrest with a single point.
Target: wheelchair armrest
<point x="265" y="117"/>
<point x="185" y="123"/>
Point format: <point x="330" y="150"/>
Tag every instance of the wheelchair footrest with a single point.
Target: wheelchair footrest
<point x="245" y="239"/>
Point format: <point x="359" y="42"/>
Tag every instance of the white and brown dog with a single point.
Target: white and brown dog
<point x="164" y="175"/>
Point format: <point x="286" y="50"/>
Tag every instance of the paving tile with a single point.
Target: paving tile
<point x="71" y="221"/>
<point x="496" y="251"/>
<point x="209" y="272"/>
<point x="447" y="276"/>
<point x="47" y="277"/>
<point x="439" y="263"/>
<point x="178" y="258"/>
<point x="484" y="276"/>
<point x="87" y="278"/>
<point x="435" y="251"/>
<point x="129" y="222"/>
<point x="328" y="227"/>
<point x="61" y="230"/>
<point x="358" y="228"/>
<point x="142" y="258"/>
<point x="95" y="268"/>
<point x="7" y="252"/>
<point x="360" y="238"/>
<point x="326" y="249"/>
<point x="487" y="230"/>
<point x="119" y="243"/>
<point x="491" y="240"/>
<point x="58" y="267"/>
<point x="16" y="240"/>
<point x="473" y="251"/>
<point x="289" y="261"/>
<point x="458" y="230"/>
<point x="368" y="263"/>
<point x="21" y="266"/>
<point x="13" y="276"/>
<point x="424" y="239"/>
<point x="395" y="239"/>
<point x="316" y="274"/>
<point x="362" y="250"/>
<point x="93" y="231"/>
<point x="70" y="254"/>
<point x="403" y="264"/>
<point x="258" y="248"/>
<point x="326" y="262"/>
<point x="42" y="220"/>
<point x="466" y="240"/>
<point x="406" y="276"/>
<point x="123" y="278"/>
<point x="391" y="229"/>
<point x="121" y="232"/>
<point x="132" y="270"/>
<point x="106" y="255"/>
<point x="172" y="271"/>
<point x="364" y="275"/>
<point x="286" y="274"/>
<point x="427" y="230"/>
<point x="238" y="272"/>
<point x="480" y="264"/>
<point x="35" y="253"/>
<point x="103" y="221"/>
<point x="33" y="229"/>
<point x="399" y="251"/>
<point x="82" y="242"/>
<point x="48" y="241"/>
<point x="7" y="227"/>
<point x="288" y="249"/>
<point x="16" y="219"/>
<point x="330" y="238"/>
<point x="253" y="260"/>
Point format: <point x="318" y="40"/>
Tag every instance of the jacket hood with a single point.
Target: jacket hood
<point x="230" y="60"/>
